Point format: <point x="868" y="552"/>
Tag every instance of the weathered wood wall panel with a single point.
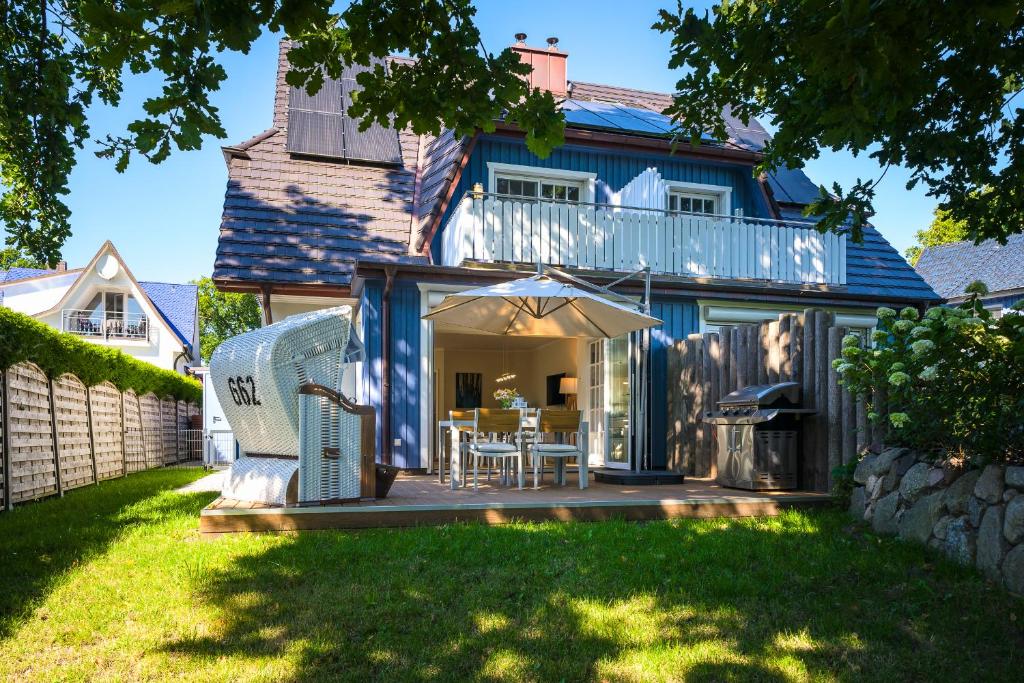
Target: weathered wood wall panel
<point x="796" y="348"/>
<point x="33" y="473"/>
<point x="107" y="430"/>
<point x="134" y="440"/>
<point x="73" y="446"/>
<point x="57" y="435"/>
<point x="5" y="453"/>
<point x="169" y="430"/>
<point x="152" y="440"/>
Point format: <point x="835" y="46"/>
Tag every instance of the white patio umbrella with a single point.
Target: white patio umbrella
<point x="540" y="306"/>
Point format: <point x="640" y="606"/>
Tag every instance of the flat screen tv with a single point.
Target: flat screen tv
<point x="555" y="398"/>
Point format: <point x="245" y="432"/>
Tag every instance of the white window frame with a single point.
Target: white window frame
<point x="587" y="181"/>
<point x="722" y="193"/>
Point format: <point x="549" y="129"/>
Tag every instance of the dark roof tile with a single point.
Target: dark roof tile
<point x="949" y="268"/>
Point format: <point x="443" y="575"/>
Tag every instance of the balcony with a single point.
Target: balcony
<point x="102" y="325"/>
<point x="490" y="228"/>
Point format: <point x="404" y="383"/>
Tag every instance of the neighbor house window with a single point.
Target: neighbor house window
<point x="544" y="188"/>
<point x="693" y="202"/>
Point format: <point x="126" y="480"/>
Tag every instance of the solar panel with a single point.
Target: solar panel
<point x="327" y="99"/>
<point x="316" y="133"/>
<point x="377" y="143"/>
<point x="319" y="126"/>
<point x="578" y="116"/>
<point x="619" y="117"/>
<point x="653" y="118"/>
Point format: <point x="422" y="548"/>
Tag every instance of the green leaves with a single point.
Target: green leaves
<point x="52" y="71"/>
<point x="26" y="339"/>
<point x="952" y="382"/>
<point x="943" y="230"/>
<point x="927" y="85"/>
<point x="223" y="315"/>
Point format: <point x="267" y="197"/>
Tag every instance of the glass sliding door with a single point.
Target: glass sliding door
<point x="596" y="398"/>
<point x="618" y="402"/>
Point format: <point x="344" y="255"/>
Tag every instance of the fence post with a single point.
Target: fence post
<point x="92" y="437"/>
<point x="6" y="406"/>
<point x="53" y="436"/>
<point x="124" y="438"/>
<point x="811" y="400"/>
<point x="822" y="321"/>
<point x="835" y="404"/>
<point x="177" y="433"/>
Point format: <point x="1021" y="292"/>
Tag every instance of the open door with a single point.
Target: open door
<point x="611" y="401"/>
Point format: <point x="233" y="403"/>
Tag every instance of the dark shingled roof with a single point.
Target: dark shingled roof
<point x="21" y="273"/>
<point x="293" y="219"/>
<point x="949" y="268"/>
<point x="179" y="304"/>
<point x="289" y="219"/>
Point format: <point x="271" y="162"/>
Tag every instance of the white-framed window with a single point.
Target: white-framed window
<point x="519" y="186"/>
<point x="542" y="183"/>
<point x="714" y="200"/>
<point x="693" y="202"/>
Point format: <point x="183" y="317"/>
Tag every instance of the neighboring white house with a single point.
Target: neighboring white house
<point x="156" y="322"/>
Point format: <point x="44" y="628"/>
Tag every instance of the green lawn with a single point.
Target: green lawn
<point x="114" y="582"/>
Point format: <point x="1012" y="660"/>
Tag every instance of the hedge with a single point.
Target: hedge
<point x="25" y="339"/>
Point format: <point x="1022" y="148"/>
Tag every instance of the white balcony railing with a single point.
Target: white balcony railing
<point x="488" y="228"/>
<point x="103" y="325"/>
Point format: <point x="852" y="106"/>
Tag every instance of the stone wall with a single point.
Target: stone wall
<point x="976" y="517"/>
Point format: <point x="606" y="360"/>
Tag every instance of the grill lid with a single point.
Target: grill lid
<point x="782" y="394"/>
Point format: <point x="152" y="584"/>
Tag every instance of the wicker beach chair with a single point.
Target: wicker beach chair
<point x="303" y="441"/>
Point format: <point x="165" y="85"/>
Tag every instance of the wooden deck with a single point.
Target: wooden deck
<point x="420" y="500"/>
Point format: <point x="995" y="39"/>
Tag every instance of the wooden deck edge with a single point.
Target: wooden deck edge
<point x="215" y="521"/>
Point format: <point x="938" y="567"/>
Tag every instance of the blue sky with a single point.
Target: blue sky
<point x="164" y="218"/>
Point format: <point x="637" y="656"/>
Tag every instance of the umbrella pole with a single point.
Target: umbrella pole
<point x="642" y="461"/>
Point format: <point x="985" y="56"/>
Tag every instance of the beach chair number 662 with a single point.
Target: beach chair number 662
<point x="242" y="395"/>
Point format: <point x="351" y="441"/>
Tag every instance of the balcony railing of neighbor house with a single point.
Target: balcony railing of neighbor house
<point x="490" y="228"/>
<point x="101" y="325"/>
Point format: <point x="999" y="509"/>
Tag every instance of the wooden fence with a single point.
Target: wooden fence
<point x="798" y="347"/>
<point x="56" y="435"/>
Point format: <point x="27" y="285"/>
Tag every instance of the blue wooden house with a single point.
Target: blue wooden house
<point x="318" y="213"/>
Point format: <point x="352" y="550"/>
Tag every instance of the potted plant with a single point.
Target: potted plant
<point x="506" y="396"/>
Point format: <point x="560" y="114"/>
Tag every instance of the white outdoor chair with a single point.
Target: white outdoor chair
<point x="567" y="425"/>
<point x="489" y="427"/>
<point x="279" y="386"/>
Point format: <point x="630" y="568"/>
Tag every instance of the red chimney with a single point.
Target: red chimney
<point x="62" y="266"/>
<point x="548" y="64"/>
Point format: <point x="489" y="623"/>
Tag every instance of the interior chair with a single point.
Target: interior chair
<point x="570" y="439"/>
<point x="460" y="449"/>
<point x="490" y="426"/>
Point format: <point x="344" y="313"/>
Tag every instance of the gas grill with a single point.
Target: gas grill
<point x="758" y="436"/>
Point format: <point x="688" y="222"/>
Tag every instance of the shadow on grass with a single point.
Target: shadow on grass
<point x="41" y="541"/>
<point x="710" y="600"/>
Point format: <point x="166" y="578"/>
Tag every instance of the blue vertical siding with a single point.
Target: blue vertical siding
<point x="614" y="169"/>
<point x="680" y="318"/>
<point x="405" y="366"/>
